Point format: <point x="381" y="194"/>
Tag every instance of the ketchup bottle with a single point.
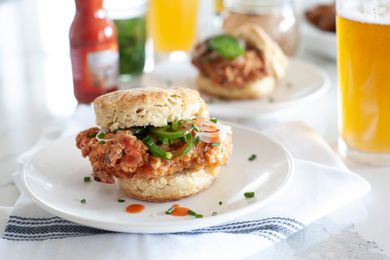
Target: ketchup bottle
<point x="93" y="50"/>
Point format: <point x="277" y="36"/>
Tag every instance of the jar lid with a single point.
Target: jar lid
<point x="253" y="6"/>
<point x="122" y="9"/>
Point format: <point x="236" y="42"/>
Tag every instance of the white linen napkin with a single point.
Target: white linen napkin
<point x="320" y="185"/>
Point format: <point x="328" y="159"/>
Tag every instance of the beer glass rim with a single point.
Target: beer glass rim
<point x="373" y="11"/>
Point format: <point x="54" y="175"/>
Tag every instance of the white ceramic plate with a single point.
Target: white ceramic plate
<point x="302" y="81"/>
<point x="54" y="180"/>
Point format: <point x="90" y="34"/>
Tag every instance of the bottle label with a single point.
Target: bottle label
<point x="95" y="68"/>
<point x="103" y="68"/>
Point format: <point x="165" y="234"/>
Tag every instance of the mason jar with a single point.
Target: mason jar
<point x="130" y="21"/>
<point x="277" y="17"/>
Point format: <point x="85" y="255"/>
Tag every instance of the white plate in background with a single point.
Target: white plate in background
<point x="54" y="180"/>
<point x="303" y="81"/>
<point x="318" y="41"/>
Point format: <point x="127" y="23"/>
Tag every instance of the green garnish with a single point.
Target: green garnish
<point x="197" y="139"/>
<point x="215" y="144"/>
<point x="169" y="211"/>
<point x="121" y="200"/>
<point x="249" y="195"/>
<point x="139" y="132"/>
<point x="195" y="127"/>
<point x="87" y="179"/>
<point x="164" y="132"/>
<point x="220" y="203"/>
<point x="92" y="135"/>
<point x="83" y="201"/>
<point x="102" y="142"/>
<point x="164" y="140"/>
<point x="155" y="149"/>
<point x="101" y="135"/>
<point x="191" y="213"/>
<point x="214" y="213"/>
<point x="226" y="45"/>
<point x="175" y="125"/>
<point x="252" y="157"/>
<point x="214" y="120"/>
<point x="186" y="148"/>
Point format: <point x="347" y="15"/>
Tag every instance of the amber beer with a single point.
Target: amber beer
<point x="172" y="24"/>
<point x="364" y="81"/>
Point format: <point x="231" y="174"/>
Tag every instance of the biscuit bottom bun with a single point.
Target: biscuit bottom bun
<point x="167" y="188"/>
<point x="252" y="90"/>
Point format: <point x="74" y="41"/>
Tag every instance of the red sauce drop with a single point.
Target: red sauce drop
<point x="179" y="211"/>
<point x="135" y="208"/>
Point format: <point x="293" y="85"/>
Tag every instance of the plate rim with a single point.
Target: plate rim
<point x="168" y="227"/>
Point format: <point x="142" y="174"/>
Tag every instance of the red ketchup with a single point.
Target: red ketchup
<point x="94" y="51"/>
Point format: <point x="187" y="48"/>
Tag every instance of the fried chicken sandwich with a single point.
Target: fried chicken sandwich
<point x="242" y="65"/>
<point x="160" y="144"/>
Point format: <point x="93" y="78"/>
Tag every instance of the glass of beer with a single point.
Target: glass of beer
<point x="172" y="24"/>
<point x="363" y="39"/>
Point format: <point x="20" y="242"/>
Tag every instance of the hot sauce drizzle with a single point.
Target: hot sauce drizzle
<point x="135" y="208"/>
<point x="179" y="211"/>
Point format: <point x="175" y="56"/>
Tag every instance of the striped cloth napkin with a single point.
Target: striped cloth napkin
<point x="321" y="184"/>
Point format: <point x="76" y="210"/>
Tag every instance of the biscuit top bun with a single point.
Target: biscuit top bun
<point x="147" y="107"/>
<point x="273" y="54"/>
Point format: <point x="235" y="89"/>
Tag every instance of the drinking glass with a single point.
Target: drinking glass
<point x="363" y="39"/>
<point x="172" y="24"/>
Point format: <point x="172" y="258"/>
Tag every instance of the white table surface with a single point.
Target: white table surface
<point x="36" y="91"/>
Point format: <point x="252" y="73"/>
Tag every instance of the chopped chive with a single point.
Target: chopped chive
<point x="154" y="149"/>
<point x="195" y="127"/>
<point x="183" y="139"/>
<point x="175" y="125"/>
<point x="87" y="179"/>
<point x="197" y="139"/>
<point x="215" y="144"/>
<point x="102" y="142"/>
<point x="169" y="211"/>
<point x="164" y="140"/>
<point x="92" y="135"/>
<point x="214" y="120"/>
<point x="83" y="201"/>
<point x="191" y="213"/>
<point x="121" y="200"/>
<point x="101" y="135"/>
<point x="252" y="157"/>
<point x="249" y="195"/>
<point x="220" y="203"/>
<point x="214" y="213"/>
<point x="198" y="216"/>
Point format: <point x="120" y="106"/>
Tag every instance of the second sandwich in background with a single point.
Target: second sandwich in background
<point x="243" y="65"/>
